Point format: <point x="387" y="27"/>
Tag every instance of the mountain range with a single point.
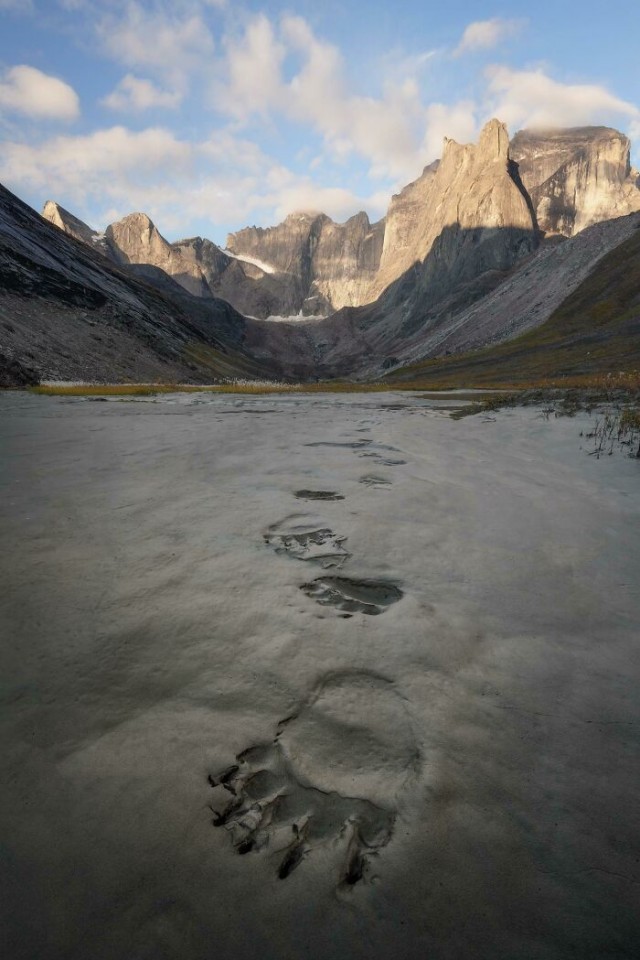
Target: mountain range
<point x="485" y="246"/>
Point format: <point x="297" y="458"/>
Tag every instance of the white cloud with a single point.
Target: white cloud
<point x="291" y="73"/>
<point x="530" y="98"/>
<point x="254" y="66"/>
<point x="134" y="93"/>
<point x="337" y="203"/>
<point x="456" y="121"/>
<point x="169" y="42"/>
<point x="277" y="73"/>
<point x="78" y="165"/>
<point x="224" y="179"/>
<point x="399" y="67"/>
<point x="486" y="34"/>
<point x="32" y="93"/>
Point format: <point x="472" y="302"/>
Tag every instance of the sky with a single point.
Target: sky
<point x="210" y="115"/>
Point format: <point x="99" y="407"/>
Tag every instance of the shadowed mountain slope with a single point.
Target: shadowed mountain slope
<point x="68" y="313"/>
<point x="596" y="330"/>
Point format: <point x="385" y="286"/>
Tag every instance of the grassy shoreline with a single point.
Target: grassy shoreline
<point x="151" y="389"/>
<point x="601" y="387"/>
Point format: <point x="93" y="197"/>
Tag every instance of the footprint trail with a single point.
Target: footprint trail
<point x="333" y="776"/>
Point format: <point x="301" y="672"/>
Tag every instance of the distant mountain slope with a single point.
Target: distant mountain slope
<point x="553" y="182"/>
<point x="477" y="272"/>
<point x="68" y="313"/>
<point x="307" y="265"/>
<point x="595" y="330"/>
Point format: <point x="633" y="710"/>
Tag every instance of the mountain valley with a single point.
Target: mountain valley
<point x="482" y="249"/>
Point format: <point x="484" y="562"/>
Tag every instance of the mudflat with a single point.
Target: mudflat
<point x="335" y="676"/>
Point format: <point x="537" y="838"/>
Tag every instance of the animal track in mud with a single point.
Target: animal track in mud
<point x="353" y="596"/>
<point x="384" y="461"/>
<point x="306" y="537"/>
<point x="349" y="444"/>
<point x="371" y="481"/>
<point x="377" y="453"/>
<point x="333" y="777"/>
<point x="318" y="495"/>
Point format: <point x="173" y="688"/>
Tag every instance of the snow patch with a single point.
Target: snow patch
<point x="260" y="264"/>
<point x="295" y="318"/>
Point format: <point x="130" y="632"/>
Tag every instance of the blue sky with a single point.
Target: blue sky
<point x="213" y="114"/>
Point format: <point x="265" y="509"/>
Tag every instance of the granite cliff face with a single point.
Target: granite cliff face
<point x="473" y="186"/>
<point x="557" y="182"/>
<point x="576" y="177"/>
<point x="473" y="213"/>
<point x="333" y="264"/>
<point x="350" y="264"/>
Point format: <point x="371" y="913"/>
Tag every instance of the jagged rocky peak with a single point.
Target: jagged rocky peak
<point x="135" y="237"/>
<point x="205" y="253"/>
<point x="493" y="192"/>
<point x="284" y="246"/>
<point x="196" y="264"/>
<point x="136" y="240"/>
<point x="332" y="263"/>
<point x="478" y="184"/>
<point x="473" y="186"/>
<point x="576" y="176"/>
<point x="73" y="226"/>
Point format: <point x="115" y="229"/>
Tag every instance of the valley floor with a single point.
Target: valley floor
<point x="418" y="637"/>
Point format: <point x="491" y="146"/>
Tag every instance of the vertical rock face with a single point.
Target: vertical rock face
<point x="333" y="264"/>
<point x="576" y="177"/>
<point x="287" y="248"/>
<point x="481" y="202"/>
<point x="346" y="260"/>
<point x="405" y="219"/>
<point x="473" y="186"/>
